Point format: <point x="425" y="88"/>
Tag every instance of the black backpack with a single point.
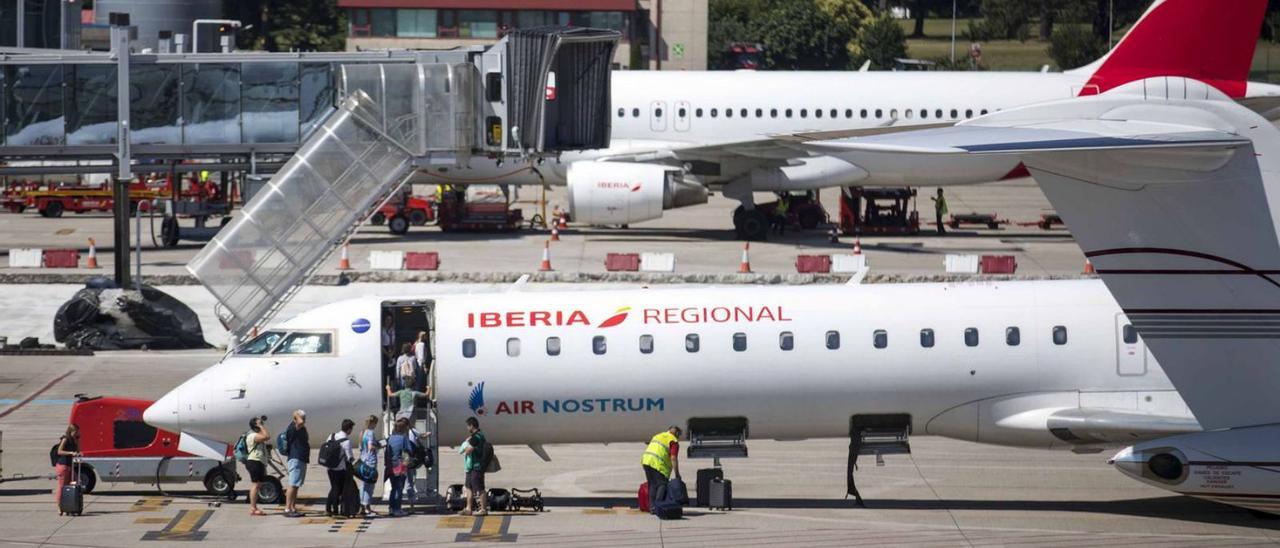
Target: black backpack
<point x="53" y="453"/>
<point x="420" y="456"/>
<point x="331" y="453"/>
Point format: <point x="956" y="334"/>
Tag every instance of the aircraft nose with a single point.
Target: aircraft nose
<point x="163" y="414"/>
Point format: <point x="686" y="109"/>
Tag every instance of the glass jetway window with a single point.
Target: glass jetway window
<point x="154" y="104"/>
<point x="34" y="113"/>
<point x="91" y="116"/>
<point x="270" y="92"/>
<point x="211" y="103"/>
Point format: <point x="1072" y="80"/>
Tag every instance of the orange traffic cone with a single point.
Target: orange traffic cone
<point x="92" y="262"/>
<point x="555" y="232"/>
<point x="344" y="263"/>
<point x="857" y="246"/>
<point x="1088" y="266"/>
<point x="745" y="266"/>
<point x="546" y="257"/>
<point x="563" y="223"/>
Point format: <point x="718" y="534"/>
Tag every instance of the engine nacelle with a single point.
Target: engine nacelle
<point x="619" y="193"/>
<point x="1236" y="466"/>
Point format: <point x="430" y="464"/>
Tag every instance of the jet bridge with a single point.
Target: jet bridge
<point x="391" y="119"/>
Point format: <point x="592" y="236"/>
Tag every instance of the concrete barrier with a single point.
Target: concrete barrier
<point x="813" y="264"/>
<point x="961" y="264"/>
<point x="61" y="258"/>
<point x="657" y="262"/>
<point x="421" y="260"/>
<point x="386" y="260"/>
<point x="29" y="257"/>
<point x="622" y="262"/>
<point x="848" y="263"/>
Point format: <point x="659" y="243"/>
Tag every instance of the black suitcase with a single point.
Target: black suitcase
<point x="721" y="494"/>
<point x="703" y="485"/>
<point x="71" y="499"/>
<point x="350" y="501"/>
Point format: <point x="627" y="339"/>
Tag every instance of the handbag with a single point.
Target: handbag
<point x="366" y="473"/>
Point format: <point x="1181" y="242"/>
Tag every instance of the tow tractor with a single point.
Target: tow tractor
<point x="804" y="209"/>
<point x="404" y="210"/>
<point x="878" y="211"/>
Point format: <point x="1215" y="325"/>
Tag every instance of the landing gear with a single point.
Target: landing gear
<point x="751" y="224"/>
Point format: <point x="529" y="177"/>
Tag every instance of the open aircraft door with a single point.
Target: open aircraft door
<point x="1131" y="353"/>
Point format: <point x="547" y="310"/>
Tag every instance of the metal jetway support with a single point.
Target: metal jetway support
<point x="392" y="118"/>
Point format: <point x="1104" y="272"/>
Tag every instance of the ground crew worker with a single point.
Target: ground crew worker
<point x="661" y="461"/>
<point x="940" y="210"/>
<point x="780" y="215"/>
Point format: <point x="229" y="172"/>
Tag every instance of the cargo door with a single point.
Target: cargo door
<point x="658" y="115"/>
<point x="1131" y="353"/>
<point x="682" y="120"/>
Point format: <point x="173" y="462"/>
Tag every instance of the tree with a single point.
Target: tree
<point x="881" y="41"/>
<point x="848" y="14"/>
<point x="920" y="11"/>
<point x="288" y="25"/>
<point x="799" y="36"/>
<point x="730" y="21"/>
<point x="1075" y="46"/>
<point x="1005" y="19"/>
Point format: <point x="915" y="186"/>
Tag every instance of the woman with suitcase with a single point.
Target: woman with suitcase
<point x="68" y="450"/>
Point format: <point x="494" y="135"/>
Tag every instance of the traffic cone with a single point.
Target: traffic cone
<point x="1088" y="266"/>
<point x="745" y="266"/>
<point x="555" y="232"/>
<point x="344" y="263"/>
<point x="857" y="246"/>
<point x="92" y="262"/>
<point x="546" y="257"/>
<point x="563" y="223"/>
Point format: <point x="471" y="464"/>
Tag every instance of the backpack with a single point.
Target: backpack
<point x="53" y="453"/>
<point x="420" y="456"/>
<point x="331" y="453"/>
<point x="241" y="451"/>
<point x="282" y="443"/>
<point x="489" y="461"/>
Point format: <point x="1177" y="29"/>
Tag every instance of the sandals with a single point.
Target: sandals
<point x="257" y="513"/>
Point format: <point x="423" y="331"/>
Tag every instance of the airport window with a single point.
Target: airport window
<point x="697" y="112"/>
<point x="306" y="343"/>
<point x="848" y="113"/>
<point x="926" y="338"/>
<point x="773" y="113"/>
<point x="635" y="113"/>
<point x="788" y="113"/>
<point x="1059" y="335"/>
<point x="759" y="113"/>
<point x="714" y="112"/>
<point x="786" y="340"/>
<point x="598" y="346"/>
<point x="968" y="113"/>
<point x="646" y="344"/>
<point x="622" y="113"/>
<point x="880" y="338"/>
<point x="261" y="344"/>
<point x="804" y="113"/>
<point x="817" y="113"/>
<point x="692" y="343"/>
<point x="833" y="340"/>
<point x="728" y="113"/>
<point x="682" y="112"/>
<point x="937" y="114"/>
<point x="971" y="336"/>
<point x="657" y="112"/>
<point x="1012" y="336"/>
<point x="743" y="113"/>
<point x="513" y="347"/>
<point x="468" y="348"/>
<point x="739" y="342"/>
<point x="132" y="434"/>
<point x="1130" y="334"/>
<point x="955" y="114"/>
<point x="553" y="346"/>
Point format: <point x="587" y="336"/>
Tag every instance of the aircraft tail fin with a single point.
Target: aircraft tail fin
<point x="1208" y="40"/>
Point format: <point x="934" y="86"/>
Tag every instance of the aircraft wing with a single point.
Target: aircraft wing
<point x="1172" y="200"/>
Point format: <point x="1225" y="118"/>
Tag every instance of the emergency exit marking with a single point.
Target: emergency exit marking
<point x="488" y="529"/>
<point x="184" y="526"/>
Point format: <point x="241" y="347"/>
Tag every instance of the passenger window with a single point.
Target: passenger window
<point x="714" y="112"/>
<point x="742" y="113"/>
<point x="880" y="338"/>
<point x="635" y="113"/>
<point x="908" y="114"/>
<point x="261" y="344"/>
<point x="924" y="113"/>
<point x="646" y="344"/>
<point x="657" y="112"/>
<point x="833" y="340"/>
<point x="984" y="112"/>
<point x="817" y="113"/>
<point x="513" y="347"/>
<point x="692" y="343"/>
<point x="759" y="113"/>
<point x="682" y="112"/>
<point x="773" y="113"/>
<point x="879" y="113"/>
<point x="804" y="113"/>
<point x="863" y="112"/>
<point x="598" y="346"/>
<point x="553" y="346"/>
<point x="728" y="113"/>
<point x="937" y="114"/>
<point x="739" y="342"/>
<point x="622" y="113"/>
<point x="306" y="343"/>
<point x="926" y="338"/>
<point x="1130" y="334"/>
<point x="1012" y="336"/>
<point x="955" y="114"/>
<point x="848" y="113"/>
<point x="788" y="113"/>
<point x="835" y="113"/>
<point x="468" y="348"/>
<point x="786" y="340"/>
<point x="968" y="113"/>
<point x="1059" y="335"/>
<point x="971" y="336"/>
<point x="697" y="112"/>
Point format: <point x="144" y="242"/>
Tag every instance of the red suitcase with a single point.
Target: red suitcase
<point x="644" y="496"/>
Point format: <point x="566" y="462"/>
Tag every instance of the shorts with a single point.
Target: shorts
<point x="257" y="470"/>
<point x="297" y="472"/>
<point x="475" y="480"/>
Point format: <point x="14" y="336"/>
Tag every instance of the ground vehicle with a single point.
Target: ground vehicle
<point x="53" y="202"/>
<point x="878" y="211"/>
<point x="404" y="211"/>
<point x="119" y="447"/>
<point x="804" y="210"/>
<point x="463" y="209"/>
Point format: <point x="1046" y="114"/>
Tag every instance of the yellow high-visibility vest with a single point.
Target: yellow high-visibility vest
<point x="658" y="454"/>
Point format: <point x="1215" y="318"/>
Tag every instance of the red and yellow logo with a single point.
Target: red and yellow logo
<point x="618" y="317"/>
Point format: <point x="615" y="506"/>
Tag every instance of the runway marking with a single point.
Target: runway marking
<point x="150" y="504"/>
<point x="35" y="395"/>
<point x="488" y="529"/>
<point x="317" y="521"/>
<point x="350" y="526"/>
<point x="184" y="526"/>
<point x="455" y="522"/>
<point x="150" y="521"/>
<point x="611" y="511"/>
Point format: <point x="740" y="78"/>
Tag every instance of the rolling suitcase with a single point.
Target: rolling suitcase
<point x="703" y="485"/>
<point x="720" y="494"/>
<point x="71" y="499"/>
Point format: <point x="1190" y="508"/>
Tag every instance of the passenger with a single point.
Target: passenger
<point x="397" y="467"/>
<point x="940" y="211"/>
<point x="660" y="461"/>
<point x="338" y="477"/>
<point x="388" y="342"/>
<point x="408" y="398"/>
<point x="68" y="451"/>
<point x="369" y="457"/>
<point x="421" y="353"/>
<point x="415" y="439"/>
<point x="474" y="465"/>
<point x="855" y="448"/>
<point x="256" y="464"/>
<point x="299" y="456"/>
<point x="406" y="366"/>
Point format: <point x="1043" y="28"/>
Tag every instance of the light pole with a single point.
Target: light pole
<point x="953" y="32"/>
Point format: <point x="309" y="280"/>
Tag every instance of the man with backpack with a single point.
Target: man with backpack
<point x="297" y="448"/>
<point x="336" y="456"/>
<point x="478" y="459"/>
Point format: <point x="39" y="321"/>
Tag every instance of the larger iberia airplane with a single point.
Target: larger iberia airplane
<point x="677" y="135"/>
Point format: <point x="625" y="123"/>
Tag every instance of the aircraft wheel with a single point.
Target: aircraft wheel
<point x="219" y="482"/>
<point x="169" y="232"/>
<point x="270" y="491"/>
<point x="417" y="217"/>
<point x="398" y="225"/>
<point x="378" y="219"/>
<point x="753" y="226"/>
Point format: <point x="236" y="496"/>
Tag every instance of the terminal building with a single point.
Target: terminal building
<point x="656" y="34"/>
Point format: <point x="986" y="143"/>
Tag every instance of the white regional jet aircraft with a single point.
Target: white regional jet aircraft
<point x="677" y="134"/>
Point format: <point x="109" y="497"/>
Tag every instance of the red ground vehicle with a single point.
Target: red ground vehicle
<point x="54" y="201"/>
<point x="14" y="196"/>
<point x="457" y="212"/>
<point x="119" y="447"/>
<point x="878" y="211"/>
<point x="400" y="213"/>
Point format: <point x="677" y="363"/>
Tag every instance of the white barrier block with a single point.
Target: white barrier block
<point x="386" y="260"/>
<point x="657" y="262"/>
<point x="961" y="264"/>
<point x="30" y="257"/>
<point x="848" y="263"/>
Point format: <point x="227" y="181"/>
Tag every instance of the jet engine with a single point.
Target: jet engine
<point x="619" y="193"/>
<point x="1236" y="466"/>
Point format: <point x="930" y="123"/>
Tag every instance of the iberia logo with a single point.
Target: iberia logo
<point x="636" y="188"/>
<point x="619" y="317"/>
<point x="476" y="400"/>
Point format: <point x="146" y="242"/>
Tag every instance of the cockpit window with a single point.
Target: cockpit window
<point x="261" y="344"/>
<point x="306" y="343"/>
